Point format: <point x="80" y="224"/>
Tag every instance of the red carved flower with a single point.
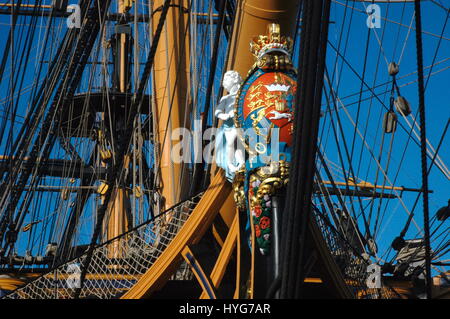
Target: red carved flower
<point x="257" y="231"/>
<point x="264" y="222"/>
<point x="257" y="211"/>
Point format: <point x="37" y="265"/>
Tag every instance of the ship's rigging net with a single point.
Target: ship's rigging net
<point x="349" y="260"/>
<point x="109" y="277"/>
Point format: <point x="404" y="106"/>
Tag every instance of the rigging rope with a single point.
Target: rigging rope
<point x="113" y="170"/>
<point x="423" y="140"/>
<point x="199" y="169"/>
<point x="46" y="136"/>
<point x="307" y="114"/>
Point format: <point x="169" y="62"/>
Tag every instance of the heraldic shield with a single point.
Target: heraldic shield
<point x="264" y="111"/>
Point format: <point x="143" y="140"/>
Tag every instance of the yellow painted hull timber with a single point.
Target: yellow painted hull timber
<point x="192" y="231"/>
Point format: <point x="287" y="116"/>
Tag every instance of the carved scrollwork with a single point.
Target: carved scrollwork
<point x="238" y="188"/>
<point x="272" y="177"/>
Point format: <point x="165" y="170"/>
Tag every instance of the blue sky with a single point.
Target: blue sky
<point x="395" y="46"/>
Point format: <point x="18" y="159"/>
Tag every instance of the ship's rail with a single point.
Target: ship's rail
<point x="352" y="265"/>
<point x="116" y="265"/>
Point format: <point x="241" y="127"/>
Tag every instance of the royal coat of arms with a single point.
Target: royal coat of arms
<point x="264" y="111"/>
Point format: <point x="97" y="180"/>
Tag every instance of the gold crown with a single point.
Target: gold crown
<point x="273" y="42"/>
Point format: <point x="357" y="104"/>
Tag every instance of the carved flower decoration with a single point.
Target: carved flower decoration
<point x="264" y="222"/>
<point x="257" y="211"/>
<point x="257" y="231"/>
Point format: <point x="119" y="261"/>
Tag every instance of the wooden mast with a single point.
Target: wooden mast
<point x="171" y="88"/>
<point x="252" y="18"/>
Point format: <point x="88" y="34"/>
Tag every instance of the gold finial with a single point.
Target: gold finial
<point x="273" y="30"/>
